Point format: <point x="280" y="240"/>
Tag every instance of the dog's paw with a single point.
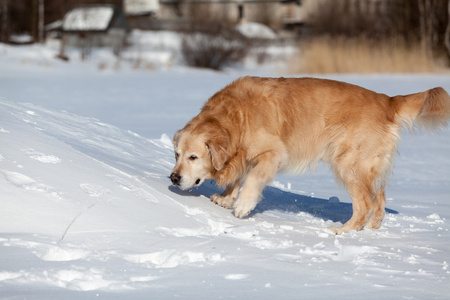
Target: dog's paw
<point x="338" y="230"/>
<point x="226" y="202"/>
<point x="243" y="208"/>
<point x="375" y="221"/>
<point x="373" y="224"/>
<point x="241" y="213"/>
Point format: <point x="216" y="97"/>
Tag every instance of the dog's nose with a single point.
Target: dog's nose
<point x="176" y="178"/>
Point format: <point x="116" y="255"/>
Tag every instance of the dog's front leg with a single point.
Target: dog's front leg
<point x="265" y="167"/>
<point x="228" y="196"/>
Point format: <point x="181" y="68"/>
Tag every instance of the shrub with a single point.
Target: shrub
<point x="362" y="55"/>
<point x="211" y="45"/>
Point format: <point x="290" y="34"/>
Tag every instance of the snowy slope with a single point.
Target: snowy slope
<point x="87" y="210"/>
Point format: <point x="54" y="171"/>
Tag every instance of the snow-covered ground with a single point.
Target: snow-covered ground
<point x="87" y="210"/>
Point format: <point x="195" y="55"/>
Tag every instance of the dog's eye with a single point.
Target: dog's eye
<point x="176" y="155"/>
<point x="193" y="157"/>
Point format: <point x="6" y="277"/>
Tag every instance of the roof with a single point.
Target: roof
<point x="255" y="30"/>
<point x="57" y="25"/>
<point x="89" y="18"/>
<point x="228" y="1"/>
<point x="138" y="7"/>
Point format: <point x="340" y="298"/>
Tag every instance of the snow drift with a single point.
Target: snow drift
<point x="87" y="209"/>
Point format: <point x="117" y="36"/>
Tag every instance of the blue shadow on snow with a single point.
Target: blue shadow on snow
<point x="284" y="201"/>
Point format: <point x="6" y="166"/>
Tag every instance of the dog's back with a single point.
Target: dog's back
<point x="312" y="115"/>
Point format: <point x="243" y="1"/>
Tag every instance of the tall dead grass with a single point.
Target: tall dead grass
<point x="362" y="55"/>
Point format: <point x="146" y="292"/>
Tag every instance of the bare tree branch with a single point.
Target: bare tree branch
<point x="447" y="32"/>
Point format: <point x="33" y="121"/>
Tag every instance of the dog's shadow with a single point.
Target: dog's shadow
<point x="275" y="199"/>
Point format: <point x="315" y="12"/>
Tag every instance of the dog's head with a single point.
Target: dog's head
<point x="200" y="152"/>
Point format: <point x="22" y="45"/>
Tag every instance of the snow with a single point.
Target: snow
<point x="88" y="18"/>
<point x="139" y="7"/>
<point x="255" y="30"/>
<point x="87" y="209"/>
<point x="21" y="38"/>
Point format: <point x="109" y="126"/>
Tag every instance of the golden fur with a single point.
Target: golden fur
<point x="256" y="127"/>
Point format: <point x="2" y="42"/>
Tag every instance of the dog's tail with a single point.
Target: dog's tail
<point x="429" y="110"/>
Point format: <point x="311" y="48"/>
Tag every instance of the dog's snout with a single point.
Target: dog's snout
<point x="176" y="178"/>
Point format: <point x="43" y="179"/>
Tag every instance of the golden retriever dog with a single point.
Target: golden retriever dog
<point x="256" y="127"/>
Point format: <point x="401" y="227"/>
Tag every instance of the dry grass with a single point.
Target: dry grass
<point x="360" y="55"/>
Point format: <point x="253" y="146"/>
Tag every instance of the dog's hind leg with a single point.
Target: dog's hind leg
<point x="378" y="211"/>
<point x="265" y="167"/>
<point x="379" y="201"/>
<point x="362" y="202"/>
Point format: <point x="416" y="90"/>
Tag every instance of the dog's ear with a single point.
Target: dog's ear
<point x="219" y="155"/>
<point x="176" y="138"/>
<point x="219" y="144"/>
